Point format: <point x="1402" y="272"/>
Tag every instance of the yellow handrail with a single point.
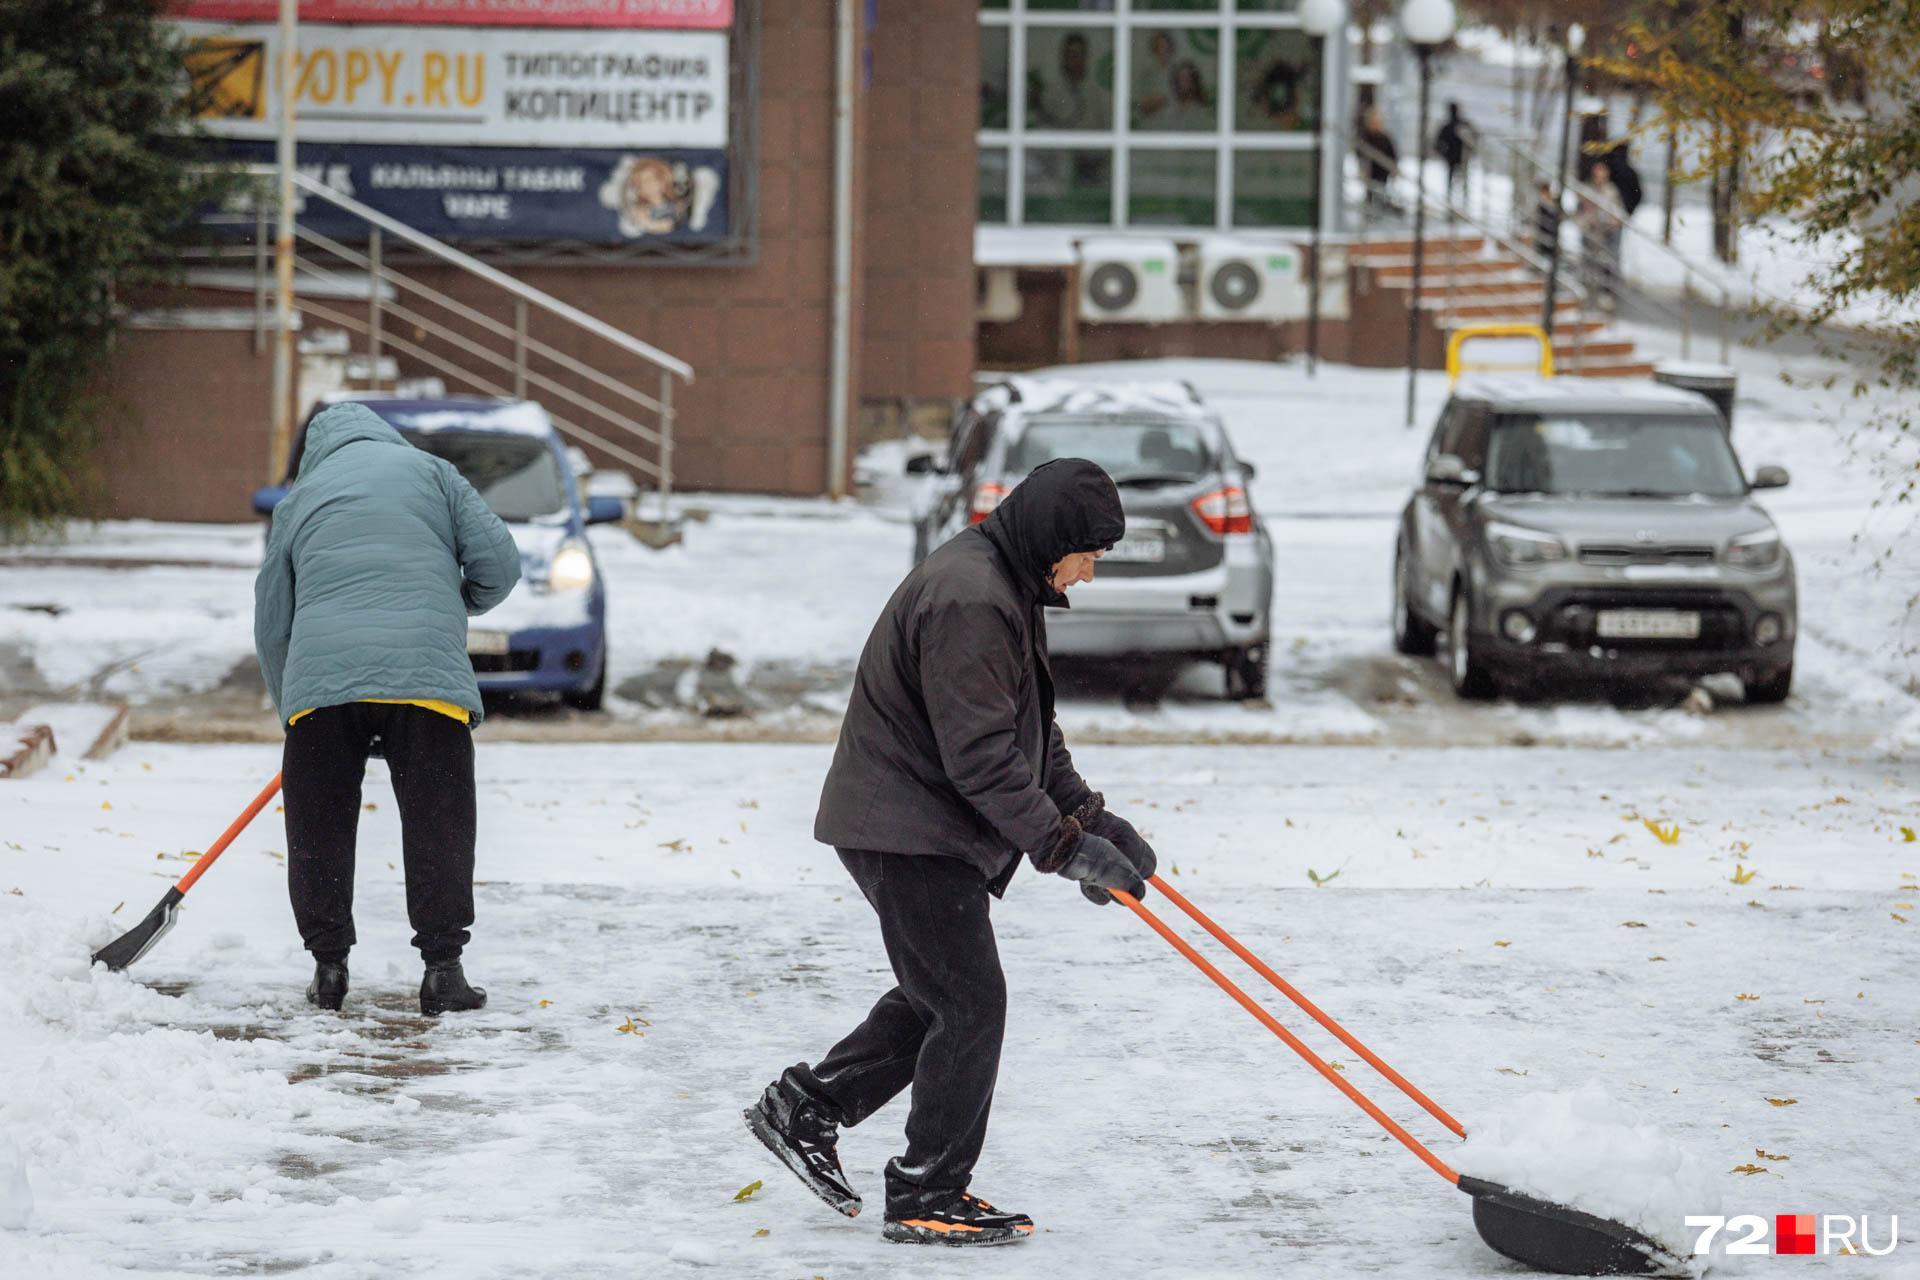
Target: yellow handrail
<point x="1456" y="366"/>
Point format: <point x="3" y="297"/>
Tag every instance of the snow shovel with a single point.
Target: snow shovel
<point x="137" y="941"/>
<point x="1539" y="1233"/>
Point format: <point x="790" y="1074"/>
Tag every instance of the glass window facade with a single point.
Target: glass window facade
<point x="1147" y="113"/>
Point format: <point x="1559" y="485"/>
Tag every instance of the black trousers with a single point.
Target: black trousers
<point x="431" y="759"/>
<point x="939" y="1030"/>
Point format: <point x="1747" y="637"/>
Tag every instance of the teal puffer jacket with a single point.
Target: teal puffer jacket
<point x="379" y="554"/>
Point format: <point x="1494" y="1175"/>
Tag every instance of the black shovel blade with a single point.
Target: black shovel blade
<point x="1553" y="1237"/>
<point x="137" y="941"/>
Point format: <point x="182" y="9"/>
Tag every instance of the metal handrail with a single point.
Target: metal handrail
<point x="1689" y="270"/>
<point x="466" y="262"/>
<point x="1444" y="204"/>
<point x="472" y="361"/>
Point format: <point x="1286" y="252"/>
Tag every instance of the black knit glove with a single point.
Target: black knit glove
<point x="1099" y="866"/>
<point x="1112" y="826"/>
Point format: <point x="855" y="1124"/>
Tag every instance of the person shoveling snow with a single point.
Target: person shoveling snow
<point x="949" y="767"/>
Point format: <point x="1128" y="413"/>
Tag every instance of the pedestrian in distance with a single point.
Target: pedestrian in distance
<point x="377" y="556"/>
<point x="1455" y="144"/>
<point x="1546" y="220"/>
<point x="1598" y="219"/>
<point x="949" y="767"/>
<point x="1380" y="157"/>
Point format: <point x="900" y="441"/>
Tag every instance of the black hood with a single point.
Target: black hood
<point x="1064" y="506"/>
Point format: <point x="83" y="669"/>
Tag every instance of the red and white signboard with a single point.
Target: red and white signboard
<point x="704" y="15"/>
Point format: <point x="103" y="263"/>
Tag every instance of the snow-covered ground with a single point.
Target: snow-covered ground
<point x="660" y="937"/>
<point x="789" y="589"/>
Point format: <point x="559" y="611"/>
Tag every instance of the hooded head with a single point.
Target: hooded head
<point x="1064" y="506"/>
<point x="338" y="426"/>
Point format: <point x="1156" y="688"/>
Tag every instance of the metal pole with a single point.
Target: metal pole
<point x="1317" y="44"/>
<point x="666" y="447"/>
<point x="1419" y="232"/>
<point x="840" y="358"/>
<point x="1559" y="200"/>
<point x="373" y="308"/>
<point x="1686" y="315"/>
<point x="1725" y="302"/>
<point x="520" y="349"/>
<point x="288" y="68"/>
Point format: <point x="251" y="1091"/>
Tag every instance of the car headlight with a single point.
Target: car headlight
<point x="571" y="569"/>
<point x="1520" y="548"/>
<point x="1755" y="550"/>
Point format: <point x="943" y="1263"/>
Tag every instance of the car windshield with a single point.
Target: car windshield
<point x="1132" y="452"/>
<point x="1612" y="455"/>
<point x="517" y="475"/>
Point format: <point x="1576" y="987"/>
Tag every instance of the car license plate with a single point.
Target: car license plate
<point x="1648" y="624"/>
<point x="1139" y="548"/>
<point x="487" y="642"/>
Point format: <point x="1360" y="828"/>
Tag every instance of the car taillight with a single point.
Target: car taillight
<point x="985" y="499"/>
<point x="1225" y="510"/>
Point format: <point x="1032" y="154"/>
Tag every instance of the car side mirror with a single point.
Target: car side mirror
<point x="265" y="500"/>
<point x="1451" y="469"/>
<point x="1770" y="478"/>
<point x="605" y="510"/>
<point x="924" y="464"/>
<point x="1247" y="470"/>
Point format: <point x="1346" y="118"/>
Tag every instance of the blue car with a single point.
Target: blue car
<point x="550" y="635"/>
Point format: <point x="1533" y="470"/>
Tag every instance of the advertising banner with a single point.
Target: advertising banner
<point x="676" y="196"/>
<point x="467" y="86"/>
<point x="709" y="15"/>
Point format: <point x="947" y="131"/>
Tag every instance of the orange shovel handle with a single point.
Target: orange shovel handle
<point x="232" y="833"/>
<point x="1292" y="1041"/>
<point x="1311" y="1009"/>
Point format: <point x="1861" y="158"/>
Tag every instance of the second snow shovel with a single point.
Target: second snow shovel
<point x="1541" y="1234"/>
<point x="140" y="939"/>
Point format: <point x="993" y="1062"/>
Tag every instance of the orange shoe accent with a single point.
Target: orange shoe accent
<point x="942" y="1227"/>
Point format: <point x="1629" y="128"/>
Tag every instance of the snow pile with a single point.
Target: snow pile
<point x="108" y="1100"/>
<point x="16" y="1197"/>
<point x="1584" y="1149"/>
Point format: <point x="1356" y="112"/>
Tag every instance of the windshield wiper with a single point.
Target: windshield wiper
<point x="1153" y="477"/>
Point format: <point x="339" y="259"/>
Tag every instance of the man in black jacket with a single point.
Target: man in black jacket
<point x="949" y="767"/>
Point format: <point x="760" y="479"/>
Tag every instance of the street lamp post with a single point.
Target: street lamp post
<point x="1319" y="19"/>
<point x="1576" y="37"/>
<point x="1428" y="24"/>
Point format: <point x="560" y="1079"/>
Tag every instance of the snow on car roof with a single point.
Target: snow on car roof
<point x="1061" y="396"/>
<point x="1594" y="395"/>
<point x="464" y="413"/>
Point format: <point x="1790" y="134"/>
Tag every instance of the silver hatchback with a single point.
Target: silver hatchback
<point x="1193" y="577"/>
<point x="1570" y="528"/>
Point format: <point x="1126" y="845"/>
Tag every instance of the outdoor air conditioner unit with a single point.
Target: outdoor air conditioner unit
<point x="998" y="297"/>
<point x="1252" y="280"/>
<point x="1131" y="280"/>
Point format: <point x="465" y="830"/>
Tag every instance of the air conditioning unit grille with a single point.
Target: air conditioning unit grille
<point x="1113" y="286"/>
<point x="1235" y="286"/>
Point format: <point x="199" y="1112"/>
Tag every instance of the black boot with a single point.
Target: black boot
<point x="804" y="1138"/>
<point x="328" y="990"/>
<point x="444" y="989"/>
<point x="955" y="1220"/>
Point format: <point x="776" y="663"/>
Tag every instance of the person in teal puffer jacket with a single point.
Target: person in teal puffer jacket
<point x="377" y="557"/>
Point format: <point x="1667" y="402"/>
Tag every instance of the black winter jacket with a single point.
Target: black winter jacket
<point x="949" y="745"/>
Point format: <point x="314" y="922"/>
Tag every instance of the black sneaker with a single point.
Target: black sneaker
<point x="968" y="1220"/>
<point x="444" y="989"/>
<point x="328" y="990"/>
<point x="804" y="1138"/>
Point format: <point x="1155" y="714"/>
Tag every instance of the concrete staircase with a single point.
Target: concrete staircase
<point x="1465" y="281"/>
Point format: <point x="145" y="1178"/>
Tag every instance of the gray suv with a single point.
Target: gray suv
<point x="1586" y="530"/>
<point x="1193" y="577"/>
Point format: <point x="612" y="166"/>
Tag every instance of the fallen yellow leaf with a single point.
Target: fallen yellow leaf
<point x="1897" y="916"/>
<point x="1501" y="942"/>
<point x="1907" y="836"/>
<point x="746" y="1192"/>
<point x="106" y="804"/>
<point x="1665" y="833"/>
<point x="545" y="1003"/>
<point x="1651" y="959"/>
<point x="1748" y="1169"/>
<point x="1741" y="875"/>
<point x="1782" y="1102"/>
<point x="1632" y="924"/>
<point x="1766" y="1155"/>
<point x="1746" y="995"/>
<point x="761" y="1232"/>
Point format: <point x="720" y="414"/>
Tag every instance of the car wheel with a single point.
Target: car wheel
<point x="1471" y="679"/>
<point x="1772" y="688"/>
<point x="1247" y="673"/>
<point x="593" y="696"/>
<point x="1411" y="634"/>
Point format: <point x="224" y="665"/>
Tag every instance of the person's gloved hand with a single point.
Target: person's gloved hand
<point x="1111" y="826"/>
<point x="1099" y="866"/>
